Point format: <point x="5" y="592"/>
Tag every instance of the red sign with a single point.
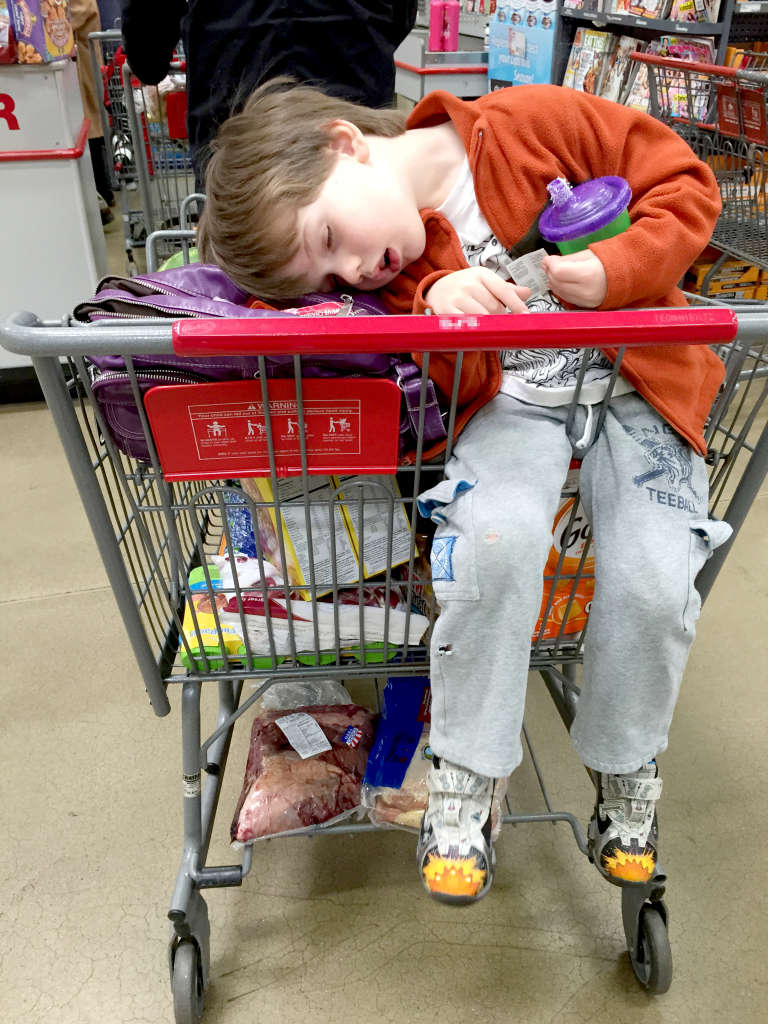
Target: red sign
<point x="7" y="107"/>
<point x="210" y="431"/>
<point x="742" y="111"/>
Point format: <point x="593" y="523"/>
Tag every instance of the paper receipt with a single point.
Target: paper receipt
<point x="526" y="272"/>
<point x="304" y="734"/>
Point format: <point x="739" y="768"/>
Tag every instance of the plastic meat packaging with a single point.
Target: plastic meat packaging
<point x="300" y="693"/>
<point x="395" y="789"/>
<point x="283" y="790"/>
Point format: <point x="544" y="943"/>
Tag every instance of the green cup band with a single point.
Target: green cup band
<point x="616" y="227"/>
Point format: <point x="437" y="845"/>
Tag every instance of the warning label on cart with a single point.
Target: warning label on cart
<point x="218" y="430"/>
<point x="222" y="431"/>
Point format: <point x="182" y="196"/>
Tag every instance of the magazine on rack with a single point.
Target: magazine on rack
<point x="619" y="67"/>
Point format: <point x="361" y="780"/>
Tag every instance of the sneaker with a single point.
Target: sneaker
<point x="624" y="833"/>
<point x="455" y="854"/>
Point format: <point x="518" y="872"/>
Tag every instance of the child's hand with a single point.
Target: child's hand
<point x="476" y="290"/>
<point x="578" y="278"/>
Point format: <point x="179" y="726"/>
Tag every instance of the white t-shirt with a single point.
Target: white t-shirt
<point x="543" y="376"/>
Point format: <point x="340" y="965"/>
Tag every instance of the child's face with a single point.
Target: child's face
<point x="362" y="229"/>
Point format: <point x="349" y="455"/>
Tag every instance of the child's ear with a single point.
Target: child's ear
<point x="348" y="140"/>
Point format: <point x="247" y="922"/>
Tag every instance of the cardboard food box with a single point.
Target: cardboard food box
<point x="736" y="294"/>
<point x="347" y="540"/>
<point x="568" y="610"/>
<point x="43" y="30"/>
<point x="732" y="272"/>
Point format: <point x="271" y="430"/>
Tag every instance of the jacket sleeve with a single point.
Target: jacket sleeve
<point x="675" y="198"/>
<point x="151" y="29"/>
<point x="675" y="202"/>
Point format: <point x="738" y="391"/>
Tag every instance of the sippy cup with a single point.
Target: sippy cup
<point x="585" y="214"/>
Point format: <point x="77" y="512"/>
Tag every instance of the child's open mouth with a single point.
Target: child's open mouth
<point x="390" y="262"/>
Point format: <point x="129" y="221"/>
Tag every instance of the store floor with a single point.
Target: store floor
<point x="330" y="930"/>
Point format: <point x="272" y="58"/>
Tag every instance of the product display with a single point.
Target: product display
<point x="305" y="767"/>
<point x="263" y="632"/>
<point x="599" y="63"/>
<point x="619" y="68"/>
<point x="444" y="25"/>
<point x="521" y="38"/>
<point x="733" y="279"/>
<point x="7" y="40"/>
<point x="42" y="30"/>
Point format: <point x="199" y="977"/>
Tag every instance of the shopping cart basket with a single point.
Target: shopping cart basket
<point x="147" y="145"/>
<point x="156" y="520"/>
<point x="722" y="113"/>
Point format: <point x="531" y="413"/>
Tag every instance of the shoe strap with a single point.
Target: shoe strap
<point x="620" y="787"/>
<point x="458" y="782"/>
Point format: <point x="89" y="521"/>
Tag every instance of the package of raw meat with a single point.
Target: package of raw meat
<point x="305" y="767"/>
<point x="395" y="787"/>
<point x="395" y="790"/>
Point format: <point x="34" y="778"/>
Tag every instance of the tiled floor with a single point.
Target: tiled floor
<point x="336" y="930"/>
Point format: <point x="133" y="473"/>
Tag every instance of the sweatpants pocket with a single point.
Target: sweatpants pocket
<point x="453" y="558"/>
<point x="706" y="536"/>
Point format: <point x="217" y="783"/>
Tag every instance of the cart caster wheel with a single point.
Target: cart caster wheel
<point x="652" y="961"/>
<point x="188" y="994"/>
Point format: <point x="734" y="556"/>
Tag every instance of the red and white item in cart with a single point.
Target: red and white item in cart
<point x="305" y="767"/>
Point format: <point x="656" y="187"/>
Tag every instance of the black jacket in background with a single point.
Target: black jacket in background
<point x="344" y="46"/>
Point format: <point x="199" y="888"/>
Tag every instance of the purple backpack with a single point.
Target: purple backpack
<point x="204" y="291"/>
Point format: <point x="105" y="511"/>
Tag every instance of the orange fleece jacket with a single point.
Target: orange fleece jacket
<point x="519" y="139"/>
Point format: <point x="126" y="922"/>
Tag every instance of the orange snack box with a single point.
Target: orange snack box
<point x="580" y="598"/>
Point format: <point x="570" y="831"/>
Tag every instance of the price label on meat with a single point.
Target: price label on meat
<point x="222" y="431"/>
<point x="304" y="734"/>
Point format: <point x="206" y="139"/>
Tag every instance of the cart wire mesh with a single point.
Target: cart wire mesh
<point x="722" y="113"/>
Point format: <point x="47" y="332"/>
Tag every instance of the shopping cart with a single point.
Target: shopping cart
<point x="146" y="136"/>
<point x="156" y="520"/>
<point x="722" y="113"/>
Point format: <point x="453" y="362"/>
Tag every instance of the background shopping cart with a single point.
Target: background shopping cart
<point x="145" y="132"/>
<point x="151" y="531"/>
<point x="722" y="113"/>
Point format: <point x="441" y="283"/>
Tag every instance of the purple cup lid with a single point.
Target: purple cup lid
<point x="584" y="209"/>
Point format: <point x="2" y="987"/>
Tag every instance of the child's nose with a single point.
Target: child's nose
<point x="350" y="270"/>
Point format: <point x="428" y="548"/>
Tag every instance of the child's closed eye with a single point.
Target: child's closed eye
<point x="329" y="237"/>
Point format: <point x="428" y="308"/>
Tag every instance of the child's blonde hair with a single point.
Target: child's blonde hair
<point x="266" y="163"/>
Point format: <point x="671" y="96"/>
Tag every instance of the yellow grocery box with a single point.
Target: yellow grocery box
<point x="731" y="273"/>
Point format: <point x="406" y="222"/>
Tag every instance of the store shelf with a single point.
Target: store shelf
<point x="691" y="28"/>
<point x="751" y="8"/>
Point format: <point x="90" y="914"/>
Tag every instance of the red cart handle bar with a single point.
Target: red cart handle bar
<point x="306" y="336"/>
<point x="697" y="68"/>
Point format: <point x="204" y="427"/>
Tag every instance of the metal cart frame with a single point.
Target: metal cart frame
<point x="147" y="157"/>
<point x="151" y="532"/>
<point x="722" y="114"/>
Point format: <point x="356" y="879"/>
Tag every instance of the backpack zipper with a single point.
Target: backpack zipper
<point x="162" y="376"/>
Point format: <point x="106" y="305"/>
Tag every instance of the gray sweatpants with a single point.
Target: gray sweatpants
<point x="645" y="493"/>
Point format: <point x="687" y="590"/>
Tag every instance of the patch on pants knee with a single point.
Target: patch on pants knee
<point x="442" y="559"/>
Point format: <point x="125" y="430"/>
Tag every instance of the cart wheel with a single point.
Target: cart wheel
<point x="188" y="994"/>
<point x="653" y="962"/>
